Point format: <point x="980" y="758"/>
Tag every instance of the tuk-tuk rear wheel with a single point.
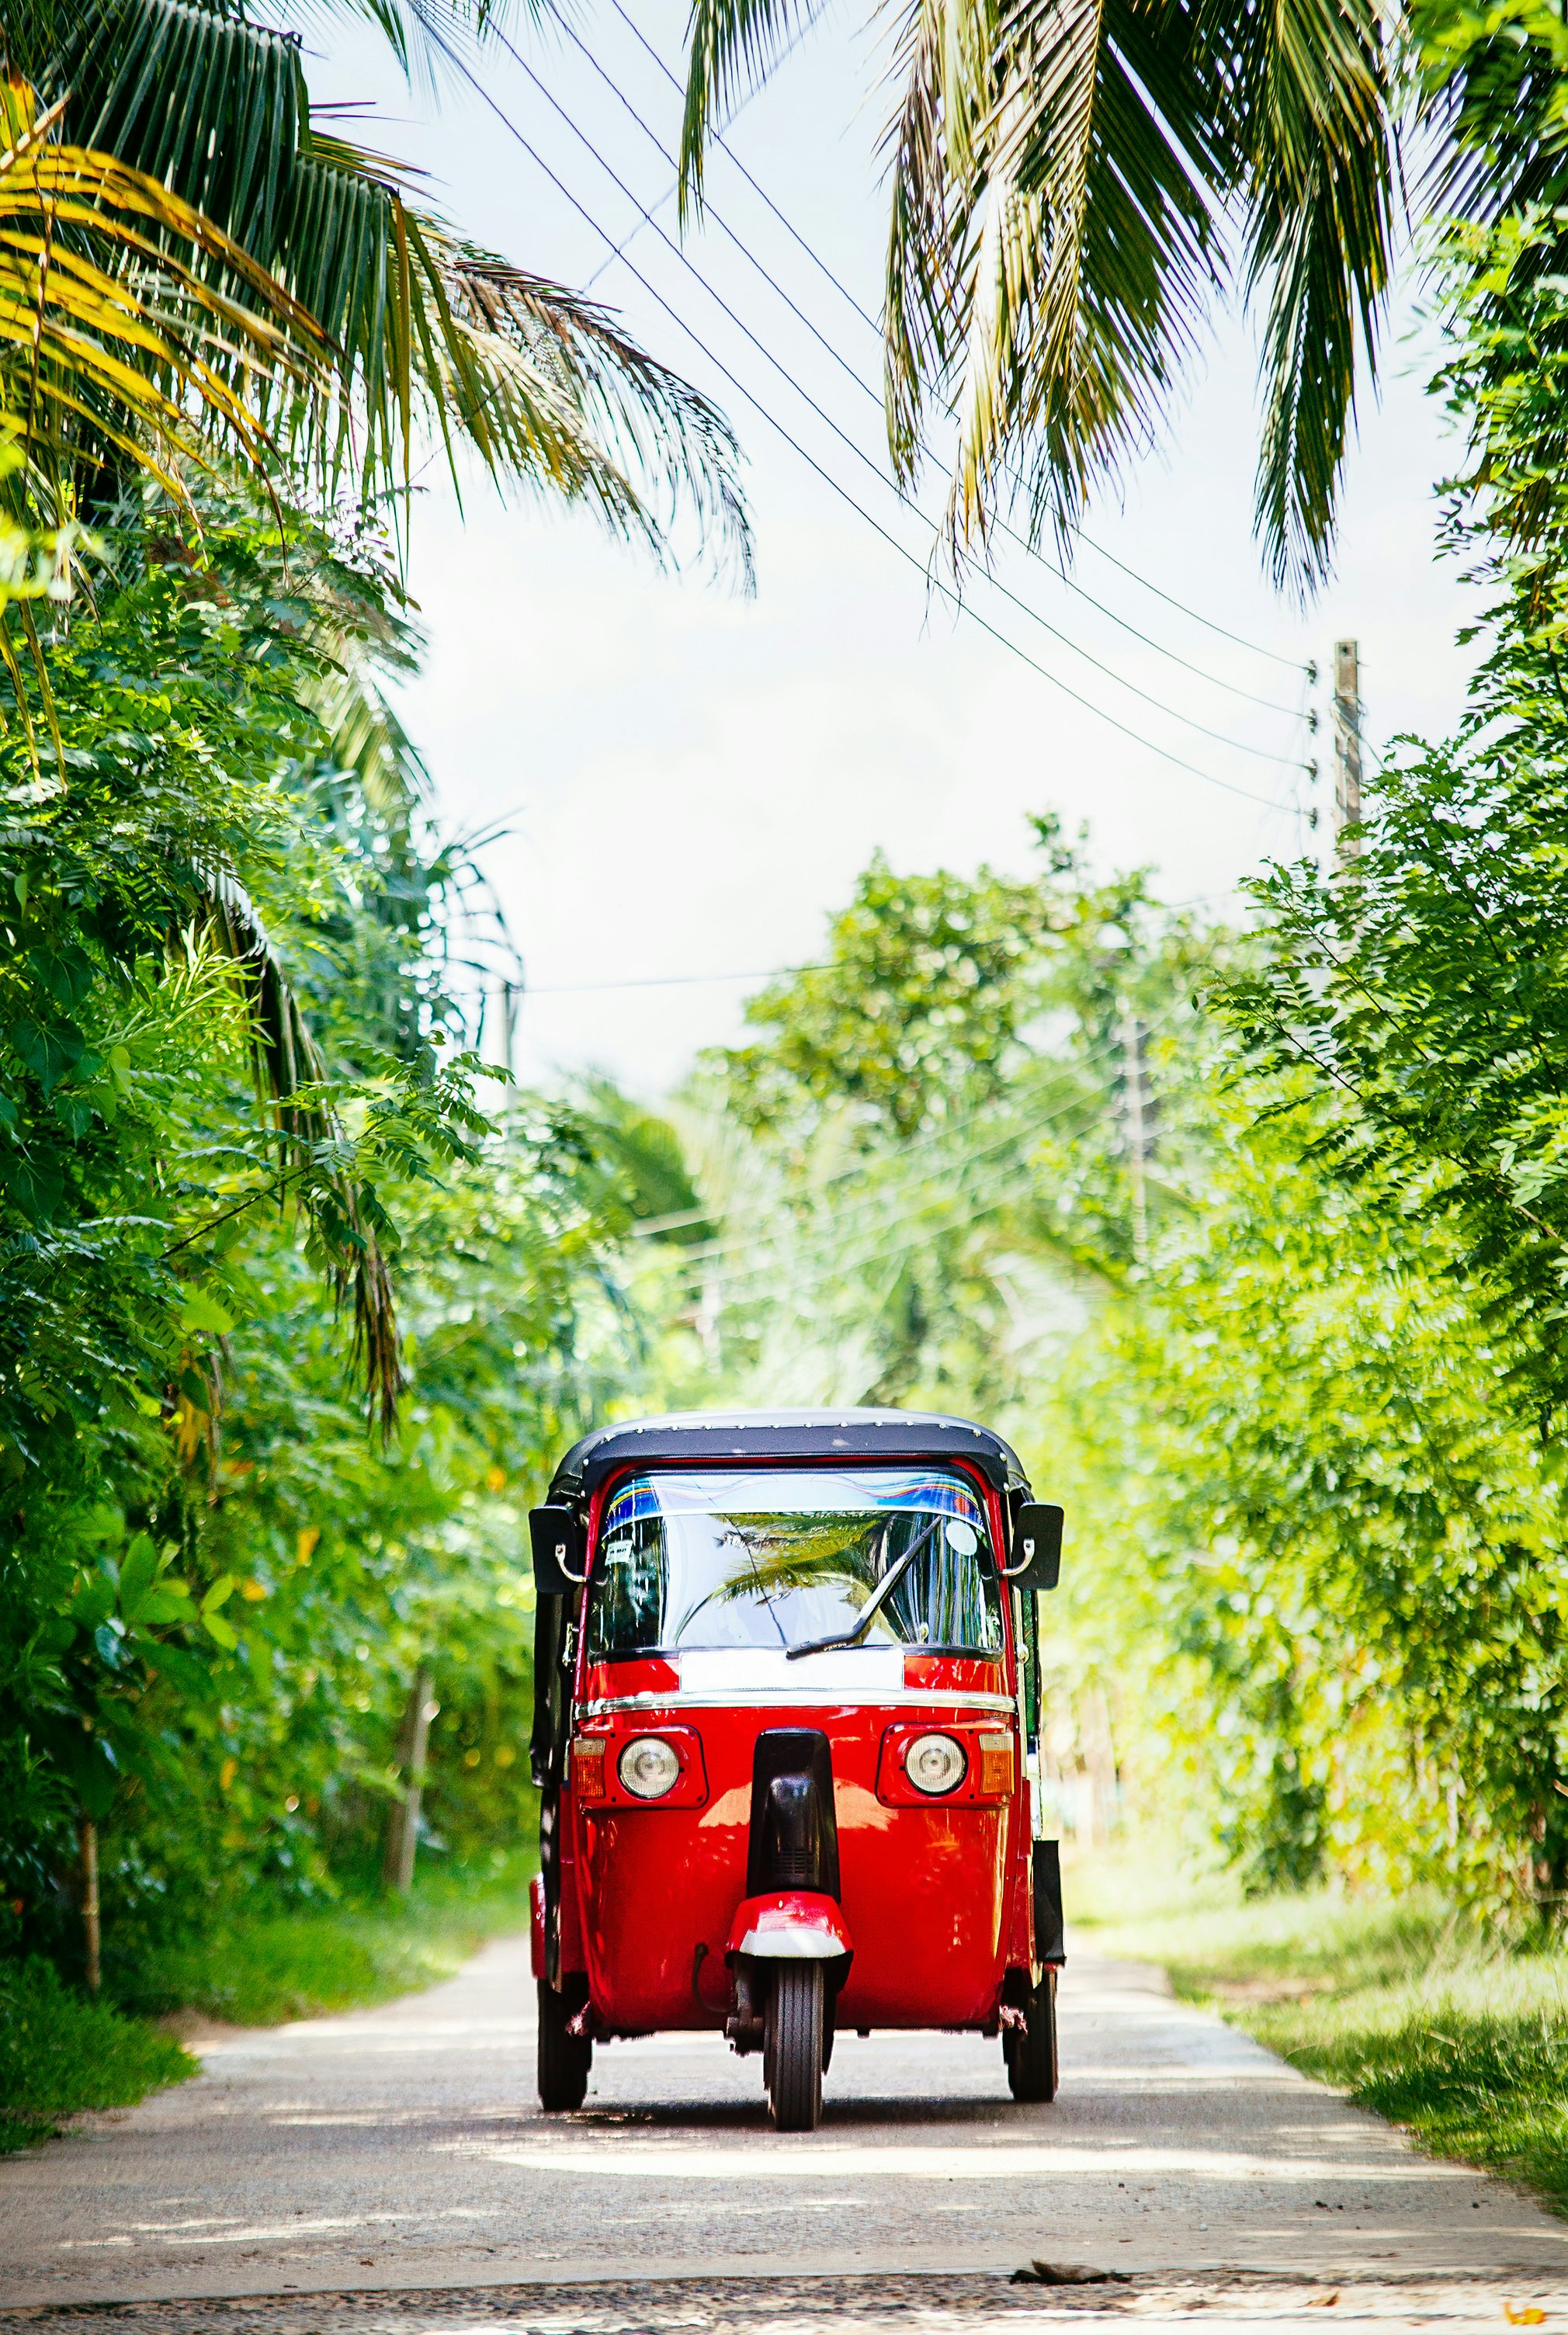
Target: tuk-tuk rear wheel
<point x="1030" y="2050"/>
<point x="564" y="2059"/>
<point x="792" y="2042"/>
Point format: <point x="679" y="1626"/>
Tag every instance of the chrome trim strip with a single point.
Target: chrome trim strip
<point x="787" y="1698"/>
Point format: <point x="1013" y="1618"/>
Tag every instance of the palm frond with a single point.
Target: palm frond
<point x="732" y="44"/>
<point x="116" y="335"/>
<point x="1068" y="178"/>
<point x="1322" y="168"/>
<point x="1052" y="247"/>
<point x="290" y="1075"/>
<point x="431" y="333"/>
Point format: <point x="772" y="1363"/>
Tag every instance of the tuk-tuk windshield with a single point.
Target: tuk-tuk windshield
<point x="776" y="1556"/>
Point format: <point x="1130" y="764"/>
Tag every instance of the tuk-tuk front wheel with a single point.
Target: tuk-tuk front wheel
<point x="1030" y="2050"/>
<point x="564" y="2059"/>
<point x="793" y="2027"/>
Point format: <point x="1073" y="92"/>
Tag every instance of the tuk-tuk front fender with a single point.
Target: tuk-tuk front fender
<point x="790" y="1925"/>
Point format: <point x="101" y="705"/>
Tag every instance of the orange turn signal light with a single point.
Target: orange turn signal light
<point x="589" y="1766"/>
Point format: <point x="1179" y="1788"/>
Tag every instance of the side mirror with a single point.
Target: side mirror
<point x="557" y="1539"/>
<point x="1036" y="1545"/>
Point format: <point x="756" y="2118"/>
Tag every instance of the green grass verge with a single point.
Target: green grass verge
<point x="60" y="2052"/>
<point x="258" y="1967"/>
<point x="1453" y="2032"/>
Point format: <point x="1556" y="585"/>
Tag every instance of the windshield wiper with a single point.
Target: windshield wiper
<point x="884" y="1589"/>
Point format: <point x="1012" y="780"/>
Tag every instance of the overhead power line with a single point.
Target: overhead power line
<point x="1254" y="648"/>
<point x="1236" y="745"/>
<point x="954" y="598"/>
<point x="670" y="981"/>
<point x="952" y="1159"/>
<point x="646" y="219"/>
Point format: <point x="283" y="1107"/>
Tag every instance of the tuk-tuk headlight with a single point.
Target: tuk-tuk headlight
<point x="649" y="1768"/>
<point x="934" y="1764"/>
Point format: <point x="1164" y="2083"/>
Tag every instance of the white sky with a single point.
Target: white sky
<point x="693" y="779"/>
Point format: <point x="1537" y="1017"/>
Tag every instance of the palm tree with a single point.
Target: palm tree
<point x="428" y="332"/>
<point x="1075" y="183"/>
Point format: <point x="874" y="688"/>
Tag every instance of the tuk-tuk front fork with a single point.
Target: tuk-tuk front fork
<point x="755" y="1976"/>
<point x="789" y="1948"/>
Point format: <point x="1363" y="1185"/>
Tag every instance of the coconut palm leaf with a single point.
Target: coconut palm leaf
<point x="1073" y="249"/>
<point x="734" y="44"/>
<point x="1075" y="183"/>
<point x="128" y="322"/>
<point x="431" y="333"/>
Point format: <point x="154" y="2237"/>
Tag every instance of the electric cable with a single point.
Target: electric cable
<point x="1291" y="664"/>
<point x="837" y="1268"/>
<point x="958" y="603"/>
<point x="670" y="981"/>
<point x="787" y="52"/>
<point x="1234" y="745"/>
<point x="1026" y="1127"/>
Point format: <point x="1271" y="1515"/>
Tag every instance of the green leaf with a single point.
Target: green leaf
<point x="200" y="1309"/>
<point x="93" y="1602"/>
<point x="138" y="1574"/>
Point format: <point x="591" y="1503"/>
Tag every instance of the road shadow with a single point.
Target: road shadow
<point x="674" y="2116"/>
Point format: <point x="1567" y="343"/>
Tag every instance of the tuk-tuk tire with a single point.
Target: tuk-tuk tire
<point x="792" y="2047"/>
<point x="564" y="2060"/>
<point x="1031" y="2050"/>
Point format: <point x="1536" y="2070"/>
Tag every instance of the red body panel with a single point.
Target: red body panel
<point x="536" y="1924"/>
<point x="934" y="1893"/>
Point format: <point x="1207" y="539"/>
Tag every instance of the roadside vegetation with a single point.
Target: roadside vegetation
<point x="1409" y="2005"/>
<point x="1253" y="1237"/>
<point x="292" y="1961"/>
<point x="61" y="2053"/>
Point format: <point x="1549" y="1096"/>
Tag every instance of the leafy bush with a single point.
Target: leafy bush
<point x="256" y="1969"/>
<point x="60" y="2053"/>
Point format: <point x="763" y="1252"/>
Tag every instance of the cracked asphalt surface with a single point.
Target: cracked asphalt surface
<point x="389" y="2172"/>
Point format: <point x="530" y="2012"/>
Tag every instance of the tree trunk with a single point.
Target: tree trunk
<point x="413" y="1742"/>
<point x="90" y="1933"/>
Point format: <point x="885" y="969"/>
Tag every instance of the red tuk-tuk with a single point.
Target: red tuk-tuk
<point x="787" y="1703"/>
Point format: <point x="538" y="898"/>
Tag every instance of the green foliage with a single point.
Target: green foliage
<point x="1352" y="1545"/>
<point x="60" y="2054"/>
<point x="1421" y="2017"/>
<point x="235" y="1096"/>
<point x="916" y="1011"/>
<point x="926" y="1140"/>
<point x="255" y="1969"/>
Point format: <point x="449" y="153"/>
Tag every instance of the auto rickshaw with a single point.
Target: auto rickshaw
<point x="786" y="1706"/>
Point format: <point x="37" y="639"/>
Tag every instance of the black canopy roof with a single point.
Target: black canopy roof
<point x="785" y="1435"/>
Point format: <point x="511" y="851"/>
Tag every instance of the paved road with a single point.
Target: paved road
<point x="400" y="2149"/>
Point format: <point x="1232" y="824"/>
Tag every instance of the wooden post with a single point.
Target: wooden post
<point x="1346" y="741"/>
<point x="90" y="1931"/>
<point x="402" y="1831"/>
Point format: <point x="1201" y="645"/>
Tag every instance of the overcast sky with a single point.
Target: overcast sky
<point x="692" y="779"/>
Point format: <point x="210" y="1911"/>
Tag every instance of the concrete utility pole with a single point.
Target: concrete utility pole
<point x="1138" y="1146"/>
<point x="1346" y="741"/>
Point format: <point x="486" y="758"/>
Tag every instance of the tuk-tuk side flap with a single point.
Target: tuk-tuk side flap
<point x="1049" y="1929"/>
